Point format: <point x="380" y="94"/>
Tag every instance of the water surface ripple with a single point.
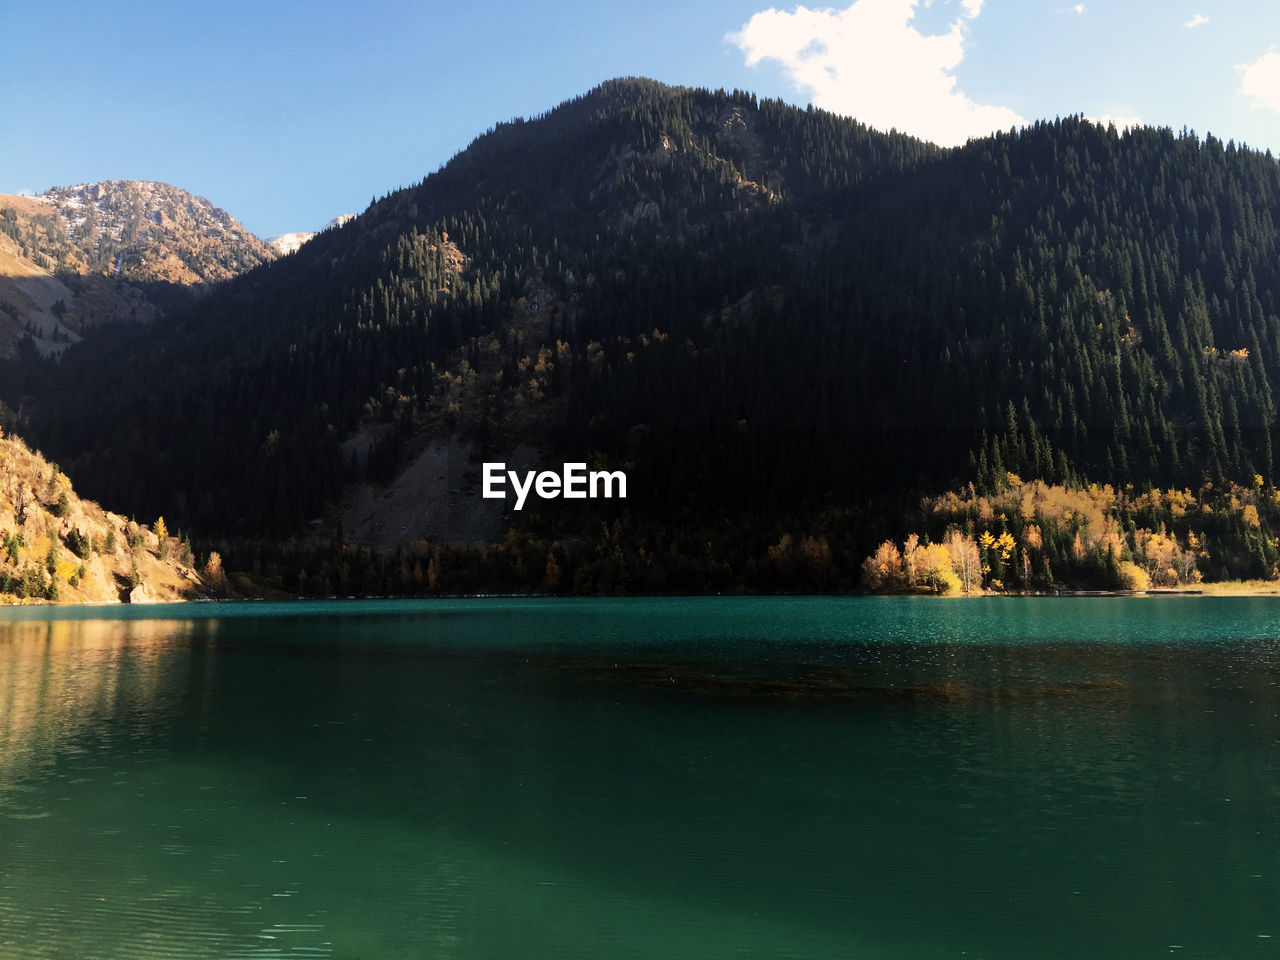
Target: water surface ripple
<point x="694" y="778"/>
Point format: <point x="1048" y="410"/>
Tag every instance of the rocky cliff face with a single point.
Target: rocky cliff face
<point x="145" y="231"/>
<point x="78" y="257"/>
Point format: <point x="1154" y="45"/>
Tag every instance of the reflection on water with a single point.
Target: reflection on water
<point x="59" y="678"/>
<point x="643" y="779"/>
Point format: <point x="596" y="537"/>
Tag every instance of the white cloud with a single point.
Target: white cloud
<point x="1198" y="20"/>
<point x="1260" y="80"/>
<point x="869" y="62"/>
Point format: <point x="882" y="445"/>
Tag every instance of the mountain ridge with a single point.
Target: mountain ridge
<point x="699" y="287"/>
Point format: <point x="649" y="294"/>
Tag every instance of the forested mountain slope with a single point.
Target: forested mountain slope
<point x="774" y="319"/>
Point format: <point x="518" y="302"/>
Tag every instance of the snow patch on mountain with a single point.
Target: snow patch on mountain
<point x="287" y="243"/>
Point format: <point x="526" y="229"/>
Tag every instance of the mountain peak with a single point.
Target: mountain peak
<point x="146" y="230"/>
<point x="84" y="255"/>
<point x="287" y="243"/>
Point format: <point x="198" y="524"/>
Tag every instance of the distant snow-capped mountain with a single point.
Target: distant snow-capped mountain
<point x="287" y="243"/>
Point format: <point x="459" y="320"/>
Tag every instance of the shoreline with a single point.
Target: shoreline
<point x="1223" y="588"/>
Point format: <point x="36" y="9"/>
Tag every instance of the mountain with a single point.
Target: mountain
<point x="287" y="243"/>
<point x="74" y="258"/>
<point x="140" y="230"/>
<point x="785" y="327"/>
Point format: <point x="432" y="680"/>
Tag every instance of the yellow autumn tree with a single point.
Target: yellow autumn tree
<point x="966" y="561"/>
<point x="882" y="571"/>
<point x="214" y="576"/>
<point x="934" y="569"/>
<point x="1132" y="576"/>
<point x="1159" y="552"/>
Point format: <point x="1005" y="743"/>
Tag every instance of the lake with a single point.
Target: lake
<point x="643" y="778"/>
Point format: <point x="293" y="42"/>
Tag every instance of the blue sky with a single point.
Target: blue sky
<point x="288" y="113"/>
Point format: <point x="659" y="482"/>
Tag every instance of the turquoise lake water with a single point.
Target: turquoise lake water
<point x="651" y="778"/>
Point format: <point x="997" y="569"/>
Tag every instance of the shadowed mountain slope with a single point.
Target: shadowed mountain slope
<point x="768" y="316"/>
